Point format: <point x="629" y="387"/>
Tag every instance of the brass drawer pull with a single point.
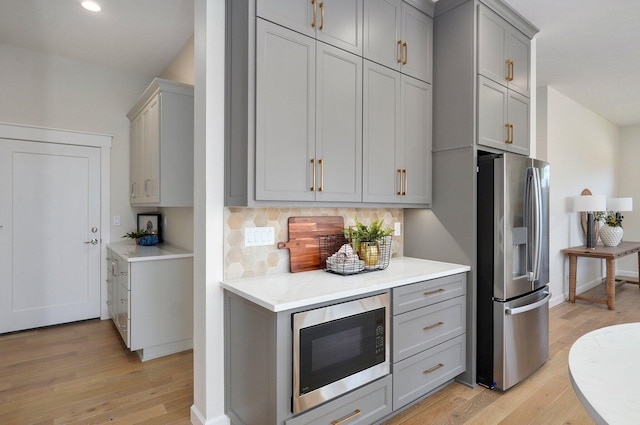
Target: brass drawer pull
<point x="428" y="328"/>
<point x="434" y="292"/>
<point x="313" y="171"/>
<point x="315" y="12"/>
<point x="346" y="418"/>
<point x="433" y="369"/>
<point x="399" y="51"/>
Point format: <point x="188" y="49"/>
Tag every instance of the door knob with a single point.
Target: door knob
<point x="93" y="241"/>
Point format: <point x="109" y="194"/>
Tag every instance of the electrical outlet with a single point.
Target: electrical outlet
<point x="259" y="236"/>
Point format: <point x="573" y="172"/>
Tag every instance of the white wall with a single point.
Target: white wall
<point x="582" y="148"/>
<point x="628" y="185"/>
<point x="53" y="91"/>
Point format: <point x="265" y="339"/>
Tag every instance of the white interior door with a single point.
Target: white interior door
<point x="49" y="214"/>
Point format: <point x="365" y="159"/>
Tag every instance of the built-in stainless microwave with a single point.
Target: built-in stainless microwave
<point x="339" y="348"/>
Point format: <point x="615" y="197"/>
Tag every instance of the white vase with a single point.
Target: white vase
<point x="611" y="236"/>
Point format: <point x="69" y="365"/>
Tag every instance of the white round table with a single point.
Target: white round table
<point x="604" y="366"/>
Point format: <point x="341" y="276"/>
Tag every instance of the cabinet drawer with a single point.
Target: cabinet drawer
<point x="422" y="373"/>
<point x="365" y="406"/>
<point x="420" y="329"/>
<point x="422" y="294"/>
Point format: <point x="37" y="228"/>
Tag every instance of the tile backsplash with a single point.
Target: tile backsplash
<point x="241" y="261"/>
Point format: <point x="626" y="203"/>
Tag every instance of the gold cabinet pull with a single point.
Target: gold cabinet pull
<point x="321" y="16"/>
<point x="346" y="418"/>
<point x="509" y="127"/>
<point x="428" y="328"/>
<point x="399" y="181"/>
<point x="509" y="70"/>
<point x="313" y="172"/>
<point x="404" y="186"/>
<point x="437" y="291"/>
<point x="315" y="12"/>
<point x="433" y="369"/>
<point x="399" y="51"/>
<point x="321" y="162"/>
<point x="406" y="53"/>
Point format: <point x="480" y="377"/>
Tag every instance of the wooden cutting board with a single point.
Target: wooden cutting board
<point x="304" y="243"/>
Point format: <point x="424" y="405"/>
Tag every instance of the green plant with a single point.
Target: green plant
<point x="135" y="235"/>
<point x="610" y="218"/>
<point x="363" y="233"/>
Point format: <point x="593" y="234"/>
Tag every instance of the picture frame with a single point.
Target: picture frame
<point x="152" y="222"/>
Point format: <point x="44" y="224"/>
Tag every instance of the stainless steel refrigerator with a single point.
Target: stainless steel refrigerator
<point x="512" y="268"/>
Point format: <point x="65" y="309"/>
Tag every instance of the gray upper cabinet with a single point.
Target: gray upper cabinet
<point x="398" y="36"/>
<point x="503" y="118"/>
<point x="308" y="119"/>
<point x="397" y="137"/>
<point x="335" y="22"/>
<point x="503" y="52"/>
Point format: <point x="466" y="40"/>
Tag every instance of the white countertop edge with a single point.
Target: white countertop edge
<point x="133" y="253"/>
<point x="281" y="292"/>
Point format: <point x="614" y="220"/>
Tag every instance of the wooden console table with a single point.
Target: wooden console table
<point x="608" y="253"/>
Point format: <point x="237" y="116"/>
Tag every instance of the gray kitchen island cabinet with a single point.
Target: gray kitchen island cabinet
<point x="150" y="297"/>
<point x="397" y="137"/>
<point x="308" y="118"/>
<point x="161" y="146"/>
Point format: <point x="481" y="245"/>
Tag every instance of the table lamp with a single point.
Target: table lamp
<point x="619" y="204"/>
<point x="590" y="204"/>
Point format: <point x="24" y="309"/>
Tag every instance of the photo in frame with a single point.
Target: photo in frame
<point x="152" y="223"/>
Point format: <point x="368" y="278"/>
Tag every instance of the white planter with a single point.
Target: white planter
<point x="611" y="236"/>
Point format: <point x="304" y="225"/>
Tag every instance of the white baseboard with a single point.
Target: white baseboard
<point x="198" y="419"/>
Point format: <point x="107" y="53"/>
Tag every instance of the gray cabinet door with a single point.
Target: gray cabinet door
<point x="381" y="134"/>
<point x="294" y="14"/>
<point x="285" y="113"/>
<point x="414" y="151"/>
<point x="382" y="20"/>
<point x="417" y="43"/>
<point x="338" y="125"/>
<point x="492" y="114"/>
<point x="339" y="23"/>
<point x="518" y="117"/>
<point x="503" y="52"/>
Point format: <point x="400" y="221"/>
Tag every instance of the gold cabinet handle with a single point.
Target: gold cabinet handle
<point x="509" y="133"/>
<point x="433" y="369"/>
<point x="399" y="51"/>
<point x="315" y="12"/>
<point x="406" y="53"/>
<point x="399" y="181"/>
<point x="404" y="187"/>
<point x="509" y="70"/>
<point x="313" y="172"/>
<point x="437" y="291"/>
<point x="428" y="328"/>
<point x="346" y="418"/>
<point x="321" y="15"/>
<point x="321" y="162"/>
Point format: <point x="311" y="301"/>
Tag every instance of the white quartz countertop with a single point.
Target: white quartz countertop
<point x="285" y="291"/>
<point x="605" y="372"/>
<point x="133" y="252"/>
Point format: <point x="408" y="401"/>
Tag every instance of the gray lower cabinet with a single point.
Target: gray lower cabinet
<point x="363" y="406"/>
<point x="428" y="336"/>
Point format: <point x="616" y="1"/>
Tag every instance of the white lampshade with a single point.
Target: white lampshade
<point x="620" y="204"/>
<point x="590" y="203"/>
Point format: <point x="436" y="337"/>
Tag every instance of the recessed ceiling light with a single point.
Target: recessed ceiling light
<point x="91" y="5"/>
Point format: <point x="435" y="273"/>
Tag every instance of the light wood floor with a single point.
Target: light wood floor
<point x="82" y="374"/>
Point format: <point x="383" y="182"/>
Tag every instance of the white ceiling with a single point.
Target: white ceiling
<point x="586" y="49"/>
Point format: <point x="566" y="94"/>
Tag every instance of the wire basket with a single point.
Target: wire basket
<point x="338" y="255"/>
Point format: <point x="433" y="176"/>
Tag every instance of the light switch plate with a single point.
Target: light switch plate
<point x="259" y="236"/>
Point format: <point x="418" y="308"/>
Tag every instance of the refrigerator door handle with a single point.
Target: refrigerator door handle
<point x="529" y="307"/>
<point x="534" y="222"/>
